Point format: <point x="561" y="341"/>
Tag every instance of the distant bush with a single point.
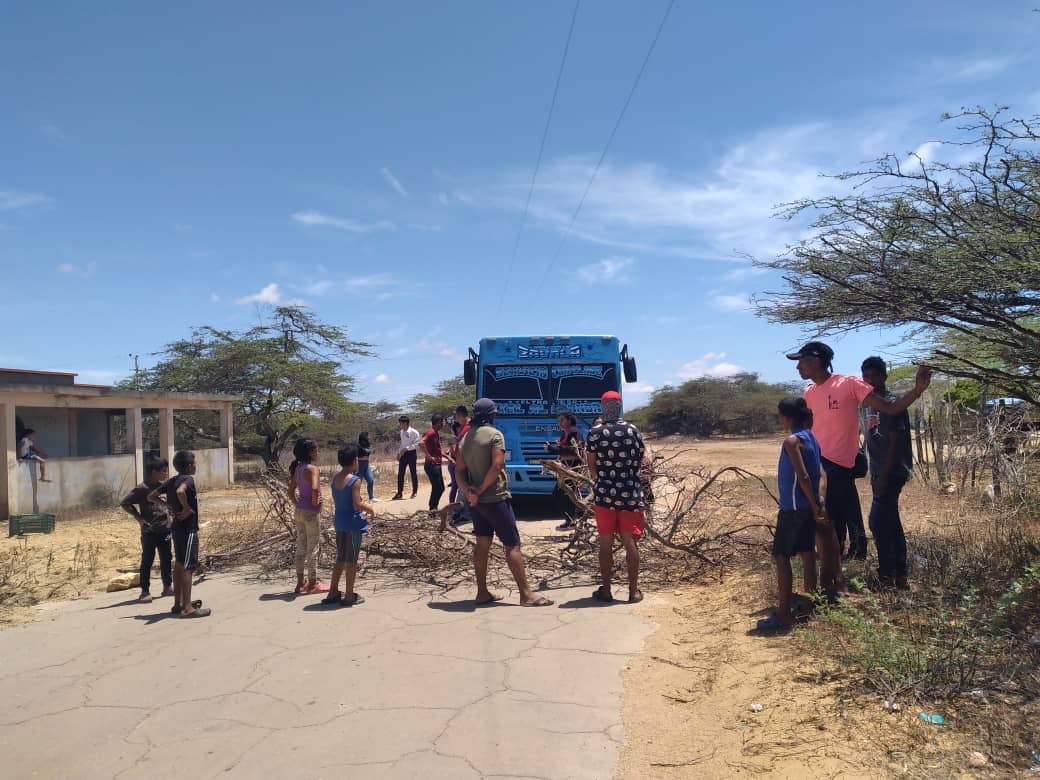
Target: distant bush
<point x="740" y="404"/>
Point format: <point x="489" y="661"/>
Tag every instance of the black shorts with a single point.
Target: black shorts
<point x="348" y="546"/>
<point x="795" y="532"/>
<point x="496" y="519"/>
<point x="186" y="548"/>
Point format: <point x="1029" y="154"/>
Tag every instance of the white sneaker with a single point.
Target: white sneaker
<point x="375" y="500"/>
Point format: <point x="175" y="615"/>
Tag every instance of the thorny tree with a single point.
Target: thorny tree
<point x="288" y="370"/>
<point x="951" y="247"/>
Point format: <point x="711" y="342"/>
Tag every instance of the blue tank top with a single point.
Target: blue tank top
<point x="347" y="518"/>
<point x="791" y="495"/>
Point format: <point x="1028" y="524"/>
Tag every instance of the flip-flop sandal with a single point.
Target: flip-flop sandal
<point x="541" y="601"/>
<point x="494" y="597"/>
<point x="197" y="613"/>
<point x="176" y="609"/>
<point x="334" y="597"/>
<point x="636" y="597"/>
<point x="357" y="599"/>
<point x="771" y="623"/>
<point x="602" y="594"/>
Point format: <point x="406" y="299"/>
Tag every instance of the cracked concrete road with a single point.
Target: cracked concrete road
<point x="405" y="686"/>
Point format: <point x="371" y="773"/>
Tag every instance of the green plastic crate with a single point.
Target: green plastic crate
<point x="30" y="524"/>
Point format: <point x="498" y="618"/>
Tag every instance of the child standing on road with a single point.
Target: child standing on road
<point x="183" y="503"/>
<point x="305" y="493"/>
<point x="350" y="523"/>
<point x="154" y="519"/>
<point x="798" y="479"/>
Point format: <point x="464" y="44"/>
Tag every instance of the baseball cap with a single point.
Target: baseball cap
<point x="816" y="349"/>
<point x="484" y="407"/>
<point x="610" y="395"/>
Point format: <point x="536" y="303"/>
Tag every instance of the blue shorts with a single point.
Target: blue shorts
<point x="30" y="456"/>
<point x="496" y="519"/>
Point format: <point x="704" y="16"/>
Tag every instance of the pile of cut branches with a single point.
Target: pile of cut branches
<point x="700" y="521"/>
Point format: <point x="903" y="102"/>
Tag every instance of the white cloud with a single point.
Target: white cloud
<point x="53" y="132"/>
<point x="382" y="379"/>
<point x="327" y="286"/>
<point x="731" y="302"/>
<point x="214" y="298"/>
<point x="609" y="270"/>
<point x="977" y="69"/>
<point x="98" y="376"/>
<point x="320" y="219"/>
<point x="637" y="394"/>
<point x="712" y="364"/>
<point x="922" y="155"/>
<point x="442" y="198"/>
<point x="10" y="200"/>
<point x="742" y="273"/>
<point x="272" y="295"/>
<point x="394" y="182"/>
<point x="719" y="212"/>
<point x="83" y="271"/>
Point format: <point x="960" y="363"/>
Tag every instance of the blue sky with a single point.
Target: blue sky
<point x="172" y="165"/>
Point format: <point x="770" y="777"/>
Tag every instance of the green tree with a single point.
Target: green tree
<point x="447" y="394"/>
<point x="288" y="370"/>
<point x="741" y="404"/>
<point x="951" y="249"/>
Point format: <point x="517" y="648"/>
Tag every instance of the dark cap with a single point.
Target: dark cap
<point x="816" y="349"/>
<point x="484" y="407"/>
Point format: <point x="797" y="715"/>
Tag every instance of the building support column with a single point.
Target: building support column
<point x="8" y="462"/>
<point x="227" y="438"/>
<point x="166" y="435"/>
<point x="73" y="432"/>
<point x="135" y="442"/>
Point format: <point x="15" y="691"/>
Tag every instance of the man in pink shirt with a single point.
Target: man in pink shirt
<point x="834" y="401"/>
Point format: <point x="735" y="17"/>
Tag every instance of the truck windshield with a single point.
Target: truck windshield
<point x="518" y="391"/>
<point x="546" y="390"/>
<point x="578" y="387"/>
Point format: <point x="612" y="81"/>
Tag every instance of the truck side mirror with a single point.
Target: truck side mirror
<point x="469" y="371"/>
<point x="629" y="366"/>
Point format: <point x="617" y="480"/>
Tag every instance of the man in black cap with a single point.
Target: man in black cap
<point x="480" y="470"/>
<point x="834" y="401"/>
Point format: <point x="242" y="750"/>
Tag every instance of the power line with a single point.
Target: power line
<point x="606" y="148"/>
<point x="538" y="163"/>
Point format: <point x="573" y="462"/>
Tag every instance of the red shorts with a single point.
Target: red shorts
<point x="619" y="521"/>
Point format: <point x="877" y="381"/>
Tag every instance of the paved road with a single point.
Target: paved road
<point x="407" y="685"/>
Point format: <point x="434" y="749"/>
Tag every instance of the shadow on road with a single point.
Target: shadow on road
<point x="129" y="603"/>
<point x="588" y="601"/>
<point x="150" y="620"/>
<point x="467" y="605"/>
<point x="277" y="597"/>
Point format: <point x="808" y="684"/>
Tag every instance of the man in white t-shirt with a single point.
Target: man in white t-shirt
<point x="29" y="451"/>
<point x="406" y="456"/>
<point x="834" y="401"/>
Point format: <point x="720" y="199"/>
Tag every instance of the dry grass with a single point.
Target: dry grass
<point x="963" y="642"/>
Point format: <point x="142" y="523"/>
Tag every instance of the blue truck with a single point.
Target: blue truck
<point x="532" y="379"/>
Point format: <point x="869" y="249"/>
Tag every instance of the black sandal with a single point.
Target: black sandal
<point x="602" y="593"/>
<point x="333" y="597"/>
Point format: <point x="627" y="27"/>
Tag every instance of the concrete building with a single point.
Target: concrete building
<point x="96" y="439"/>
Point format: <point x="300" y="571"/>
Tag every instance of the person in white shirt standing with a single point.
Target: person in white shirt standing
<point x="406" y="457"/>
